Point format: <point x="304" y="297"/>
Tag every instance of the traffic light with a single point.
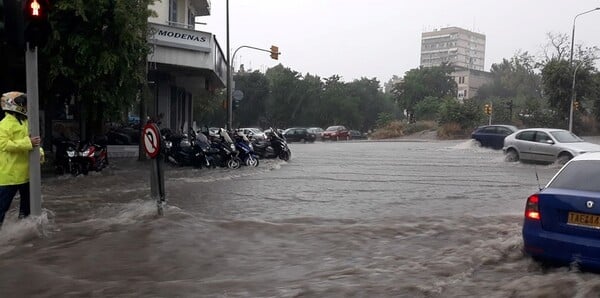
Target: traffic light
<point x="487" y="109"/>
<point x="236" y="104"/>
<point x="576" y="105"/>
<point x="36" y="25"/>
<point x="275" y="52"/>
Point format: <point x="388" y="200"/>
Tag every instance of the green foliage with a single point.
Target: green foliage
<point x="428" y="108"/>
<point x="97" y="52"/>
<point x="467" y="115"/>
<point x="423" y="82"/>
<point x="383" y="119"/>
<point x="557" y="78"/>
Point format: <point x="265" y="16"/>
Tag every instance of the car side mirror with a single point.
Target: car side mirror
<point x="550" y="142"/>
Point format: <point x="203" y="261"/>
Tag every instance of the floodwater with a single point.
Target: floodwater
<point x="348" y="219"/>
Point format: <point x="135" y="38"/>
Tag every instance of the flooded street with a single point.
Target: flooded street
<point x="357" y="219"/>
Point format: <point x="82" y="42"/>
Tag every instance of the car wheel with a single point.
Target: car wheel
<point x="303" y="141"/>
<point x="477" y="143"/>
<point x="563" y="158"/>
<point x="512" y="155"/>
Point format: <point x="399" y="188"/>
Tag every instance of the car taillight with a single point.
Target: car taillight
<point x="532" y="210"/>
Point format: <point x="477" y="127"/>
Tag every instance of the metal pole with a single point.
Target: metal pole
<point x="228" y="90"/>
<point x="33" y="116"/>
<point x="571" y="63"/>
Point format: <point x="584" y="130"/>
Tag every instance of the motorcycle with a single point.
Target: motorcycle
<point x="228" y="154"/>
<point x="178" y="149"/>
<point x="274" y="147"/>
<point x="91" y="156"/>
<point x="66" y="153"/>
<point x="246" y="149"/>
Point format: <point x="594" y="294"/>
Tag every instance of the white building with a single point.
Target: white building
<point x="468" y="81"/>
<point x="454" y="45"/>
<point x="184" y="62"/>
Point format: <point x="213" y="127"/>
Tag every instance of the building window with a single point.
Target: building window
<point x="173" y="11"/>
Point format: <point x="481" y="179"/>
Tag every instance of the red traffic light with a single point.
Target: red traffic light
<point x="36" y="9"/>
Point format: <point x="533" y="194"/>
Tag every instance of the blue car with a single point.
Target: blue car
<point x="562" y="221"/>
<point x="492" y="136"/>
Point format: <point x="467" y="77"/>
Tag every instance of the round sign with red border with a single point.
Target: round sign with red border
<point x="151" y="137"/>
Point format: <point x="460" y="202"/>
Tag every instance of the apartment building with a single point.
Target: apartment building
<point x="184" y="62"/>
<point x="464" y="49"/>
<point x="454" y="45"/>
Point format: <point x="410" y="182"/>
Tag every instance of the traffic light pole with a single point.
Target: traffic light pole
<point x="33" y="115"/>
<point x="230" y="79"/>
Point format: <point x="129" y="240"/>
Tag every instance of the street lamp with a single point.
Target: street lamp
<point x="573" y="33"/>
<point x="574" y="72"/>
<point x="573" y="95"/>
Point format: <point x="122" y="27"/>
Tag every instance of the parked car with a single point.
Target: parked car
<point x="357" y="135"/>
<point x="562" y="221"/>
<point x="317" y="131"/>
<point x="545" y="145"/>
<point x="299" y="134"/>
<point x="492" y="135"/>
<point x="253" y="132"/>
<point x="336" y="132"/>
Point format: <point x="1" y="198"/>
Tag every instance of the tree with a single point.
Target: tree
<point x="97" y="54"/>
<point x="419" y="83"/>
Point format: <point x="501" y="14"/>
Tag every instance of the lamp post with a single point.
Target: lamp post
<point x="573" y="33"/>
<point x="573" y="97"/>
<point x="574" y="72"/>
<point x="228" y="89"/>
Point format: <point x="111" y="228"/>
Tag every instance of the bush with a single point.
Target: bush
<point x="428" y="108"/>
<point x="393" y="129"/>
<point x="451" y="131"/>
<point x="419" y="126"/>
<point x="467" y="115"/>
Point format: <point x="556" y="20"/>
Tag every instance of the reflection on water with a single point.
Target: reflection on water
<point x="396" y="219"/>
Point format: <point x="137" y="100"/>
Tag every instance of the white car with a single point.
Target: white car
<point x="254" y="133"/>
<point x="545" y="145"/>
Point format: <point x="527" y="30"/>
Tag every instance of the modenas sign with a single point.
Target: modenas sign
<point x="180" y="38"/>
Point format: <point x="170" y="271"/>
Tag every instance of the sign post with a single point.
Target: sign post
<point x="151" y="136"/>
<point x="33" y="115"/>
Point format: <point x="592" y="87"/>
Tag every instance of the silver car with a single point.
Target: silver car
<point x="545" y="145"/>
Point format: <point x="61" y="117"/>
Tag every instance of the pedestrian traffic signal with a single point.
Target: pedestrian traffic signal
<point x="275" y="52"/>
<point x="36" y="25"/>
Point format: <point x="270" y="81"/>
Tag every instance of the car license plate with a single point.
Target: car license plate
<point x="586" y="220"/>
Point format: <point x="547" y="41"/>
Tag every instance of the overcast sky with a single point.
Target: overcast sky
<point x="382" y="38"/>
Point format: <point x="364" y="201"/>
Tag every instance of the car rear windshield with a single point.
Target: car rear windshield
<point x="579" y="175"/>
<point x="565" y="137"/>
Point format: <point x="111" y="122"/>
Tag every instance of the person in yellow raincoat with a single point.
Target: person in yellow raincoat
<point x="15" y="144"/>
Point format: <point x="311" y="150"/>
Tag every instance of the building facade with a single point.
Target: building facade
<point x="454" y="45"/>
<point x="183" y="63"/>
<point x="468" y="81"/>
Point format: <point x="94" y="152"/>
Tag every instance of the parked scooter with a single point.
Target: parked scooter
<point x="228" y="154"/>
<point x="274" y="147"/>
<point x="246" y="149"/>
<point x="92" y="156"/>
<point x="65" y="155"/>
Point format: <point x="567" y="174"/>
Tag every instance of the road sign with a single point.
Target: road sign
<point x="238" y="95"/>
<point x="151" y="137"/>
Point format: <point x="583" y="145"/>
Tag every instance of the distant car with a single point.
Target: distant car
<point x="545" y="145"/>
<point x="253" y="132"/>
<point x="356" y="135"/>
<point x="336" y="132"/>
<point x="562" y="221"/>
<point x="299" y="134"/>
<point x="492" y="135"/>
<point x="317" y="131"/>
